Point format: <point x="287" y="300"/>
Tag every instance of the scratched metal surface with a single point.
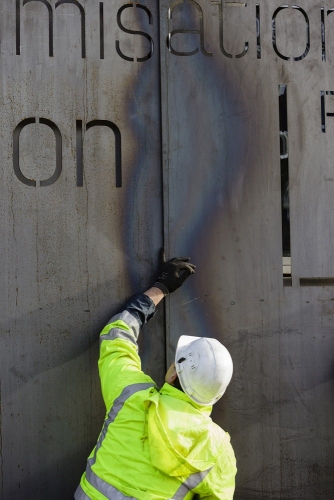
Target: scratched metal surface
<point x="223" y="208"/>
<point x="71" y="255"/>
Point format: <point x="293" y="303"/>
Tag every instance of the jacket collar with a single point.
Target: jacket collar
<point x="169" y="390"/>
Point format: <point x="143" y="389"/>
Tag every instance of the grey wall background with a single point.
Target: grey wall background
<point x="200" y="151"/>
<point x="70" y="255"/>
<point x="222" y="187"/>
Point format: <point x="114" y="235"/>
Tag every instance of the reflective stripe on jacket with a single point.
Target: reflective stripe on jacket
<point x="153" y="444"/>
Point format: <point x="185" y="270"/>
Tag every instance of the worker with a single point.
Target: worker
<point x="160" y="444"/>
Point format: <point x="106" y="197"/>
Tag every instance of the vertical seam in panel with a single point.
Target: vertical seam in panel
<point x="162" y="170"/>
<point x="1" y="457"/>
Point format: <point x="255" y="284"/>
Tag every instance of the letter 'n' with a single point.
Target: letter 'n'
<point x="118" y="148"/>
<point x="83" y="22"/>
<point x="18" y="24"/>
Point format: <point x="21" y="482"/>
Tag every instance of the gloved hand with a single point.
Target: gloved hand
<point x="174" y="273"/>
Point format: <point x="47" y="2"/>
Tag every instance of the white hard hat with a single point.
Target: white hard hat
<point x="204" y="367"/>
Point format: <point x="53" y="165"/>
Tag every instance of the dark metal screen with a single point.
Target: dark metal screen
<point x="202" y="125"/>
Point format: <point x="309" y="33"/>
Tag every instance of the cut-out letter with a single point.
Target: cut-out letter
<point x="101" y="31"/>
<point x="323" y="34"/>
<point x="118" y="148"/>
<point x="258" y="31"/>
<point x="316" y="281"/>
<point x="199" y="32"/>
<point x="323" y="120"/>
<point x="83" y="23"/>
<point x="284" y="160"/>
<point x="286" y="58"/>
<point x="46" y="3"/>
<point x="134" y="32"/>
<point x="59" y="152"/>
<point x="323" y="108"/>
<point x="18" y="27"/>
<point x="221" y="31"/>
<point x="274" y="37"/>
<point x="16" y="152"/>
<point x="79" y="153"/>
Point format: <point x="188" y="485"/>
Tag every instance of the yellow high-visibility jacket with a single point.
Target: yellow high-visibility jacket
<point x="154" y="444"/>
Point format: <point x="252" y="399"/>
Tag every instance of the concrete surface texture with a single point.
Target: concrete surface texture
<point x="128" y="126"/>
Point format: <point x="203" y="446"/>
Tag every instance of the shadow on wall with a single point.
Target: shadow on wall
<point x="51" y="400"/>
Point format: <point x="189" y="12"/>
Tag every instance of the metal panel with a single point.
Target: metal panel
<point x="74" y="115"/>
<point x="223" y="202"/>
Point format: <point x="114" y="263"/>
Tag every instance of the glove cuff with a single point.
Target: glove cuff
<point x="161" y="287"/>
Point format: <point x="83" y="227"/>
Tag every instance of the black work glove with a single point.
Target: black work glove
<point x="173" y="274"/>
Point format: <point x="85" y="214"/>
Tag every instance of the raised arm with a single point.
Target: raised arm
<point x="119" y="363"/>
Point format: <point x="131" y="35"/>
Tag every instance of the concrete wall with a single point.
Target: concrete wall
<point x="74" y="250"/>
<point x="113" y="143"/>
<point x="223" y="122"/>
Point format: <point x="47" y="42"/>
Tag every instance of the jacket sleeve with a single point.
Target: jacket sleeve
<point x="119" y="363"/>
<point x="219" y="484"/>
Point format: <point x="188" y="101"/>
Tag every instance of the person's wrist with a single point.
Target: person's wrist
<point x="161" y="287"/>
<point x="155" y="294"/>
